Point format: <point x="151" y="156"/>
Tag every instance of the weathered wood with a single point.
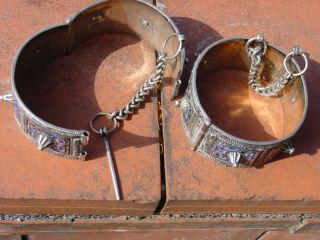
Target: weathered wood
<point x="157" y="225"/>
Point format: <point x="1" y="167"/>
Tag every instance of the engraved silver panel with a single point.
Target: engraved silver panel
<point x="192" y="120"/>
<point x="61" y="143"/>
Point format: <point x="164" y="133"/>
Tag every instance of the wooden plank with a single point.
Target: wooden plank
<point x="190" y="235"/>
<point x="285" y="235"/>
<point x="241" y="206"/>
<point x="157" y="225"/>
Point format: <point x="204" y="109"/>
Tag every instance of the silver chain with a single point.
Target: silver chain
<point x="256" y="54"/>
<point x="151" y="83"/>
<point x="144" y="91"/>
<point x="255" y="72"/>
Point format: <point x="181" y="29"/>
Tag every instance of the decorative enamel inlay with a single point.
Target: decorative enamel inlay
<point x="222" y="150"/>
<point x="59" y="144"/>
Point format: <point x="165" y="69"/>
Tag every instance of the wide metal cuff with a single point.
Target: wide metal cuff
<point x="214" y="142"/>
<point x="125" y="16"/>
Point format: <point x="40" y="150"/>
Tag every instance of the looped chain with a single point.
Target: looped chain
<point x="258" y="41"/>
<point x="256" y="54"/>
<point x="147" y="87"/>
<point x="152" y="82"/>
<point x="144" y="91"/>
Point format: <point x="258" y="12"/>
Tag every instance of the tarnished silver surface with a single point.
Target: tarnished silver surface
<point x="215" y="143"/>
<point x="131" y="16"/>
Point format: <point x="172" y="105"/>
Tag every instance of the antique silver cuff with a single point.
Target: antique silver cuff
<point x="216" y="143"/>
<point x="126" y="16"/>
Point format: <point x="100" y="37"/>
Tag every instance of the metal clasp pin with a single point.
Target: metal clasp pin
<point x="104" y="133"/>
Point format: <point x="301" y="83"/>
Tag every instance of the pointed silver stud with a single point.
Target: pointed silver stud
<point x="288" y="148"/>
<point x="234" y="158"/>
<point x="43" y="141"/>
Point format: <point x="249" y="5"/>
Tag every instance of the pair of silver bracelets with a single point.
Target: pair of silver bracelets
<point x="272" y="78"/>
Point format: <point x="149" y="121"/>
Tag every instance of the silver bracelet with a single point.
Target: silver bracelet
<point x="141" y="18"/>
<point x="285" y="82"/>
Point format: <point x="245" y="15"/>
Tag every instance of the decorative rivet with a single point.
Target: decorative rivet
<point x="260" y="37"/>
<point x="288" y="148"/>
<point x="182" y="104"/>
<point x="97" y="18"/>
<point x="145" y="23"/>
<point x="68" y="20"/>
<point x="297" y="51"/>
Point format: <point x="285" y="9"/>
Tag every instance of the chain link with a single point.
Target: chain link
<point x="145" y="90"/>
<point x="255" y="72"/>
<point x="256" y="54"/>
<point x="151" y="83"/>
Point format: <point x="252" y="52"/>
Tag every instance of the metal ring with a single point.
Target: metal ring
<point x="180" y="37"/>
<point x="265" y="45"/>
<point x="288" y="68"/>
<point x="103" y="114"/>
